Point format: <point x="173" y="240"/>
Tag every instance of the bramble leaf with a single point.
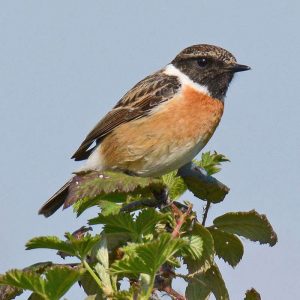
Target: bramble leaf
<point x="250" y="225"/>
<point x="175" y="184"/>
<point x="56" y="283"/>
<point x="193" y="248"/>
<point x="95" y="184"/>
<point x="143" y="224"/>
<point x="50" y="242"/>
<point x="148" y="257"/>
<point x="210" y="162"/>
<point x="72" y="246"/>
<point x="206" y="259"/>
<point x="227" y="246"/>
<point x="202" y="284"/>
<point x="106" y="202"/>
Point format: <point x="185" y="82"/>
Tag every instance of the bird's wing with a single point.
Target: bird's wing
<point x="137" y="103"/>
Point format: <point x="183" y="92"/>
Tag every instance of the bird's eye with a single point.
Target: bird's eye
<point x="202" y="62"/>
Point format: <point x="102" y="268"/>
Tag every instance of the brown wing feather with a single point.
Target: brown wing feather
<point x="138" y="102"/>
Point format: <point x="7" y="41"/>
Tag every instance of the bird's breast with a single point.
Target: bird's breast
<point x="169" y="137"/>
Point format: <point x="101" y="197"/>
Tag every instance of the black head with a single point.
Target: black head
<point x="210" y="66"/>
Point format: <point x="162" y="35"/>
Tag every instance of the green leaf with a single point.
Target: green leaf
<point x="59" y="280"/>
<point x="202" y="284"/>
<point x="72" y="246"/>
<point x="109" y="208"/>
<point x="121" y="223"/>
<point x="56" y="283"/>
<point x="10" y="292"/>
<point x="148" y="257"/>
<point x="108" y="203"/>
<point x="227" y="246"/>
<point x="50" y="242"/>
<point x="144" y="223"/>
<point x="94" y="184"/>
<point x="148" y="219"/>
<point x="210" y="162"/>
<point x="175" y="184"/>
<point x="250" y="225"/>
<point x="252" y="294"/>
<point x="206" y="259"/>
<point x="193" y="248"/>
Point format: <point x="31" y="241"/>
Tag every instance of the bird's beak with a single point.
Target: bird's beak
<point x="238" y="68"/>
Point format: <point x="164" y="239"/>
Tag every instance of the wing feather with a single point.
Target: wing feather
<point x="137" y="103"/>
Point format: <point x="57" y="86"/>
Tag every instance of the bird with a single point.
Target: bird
<point x="162" y="122"/>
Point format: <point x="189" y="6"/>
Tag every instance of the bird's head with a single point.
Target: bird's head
<point x="210" y="66"/>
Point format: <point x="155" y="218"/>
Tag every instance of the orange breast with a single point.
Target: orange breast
<point x="185" y="122"/>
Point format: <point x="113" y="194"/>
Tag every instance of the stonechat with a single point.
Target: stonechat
<point x="163" y="122"/>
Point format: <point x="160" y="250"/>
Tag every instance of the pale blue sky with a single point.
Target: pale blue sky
<point x="63" y="65"/>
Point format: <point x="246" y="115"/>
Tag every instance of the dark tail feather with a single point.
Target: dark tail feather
<point x="56" y="201"/>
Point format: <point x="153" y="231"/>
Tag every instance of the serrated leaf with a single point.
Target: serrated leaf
<point x="202" y="284"/>
<point x="175" y="184"/>
<point x="148" y="257"/>
<point x="252" y="294"/>
<point x="94" y="184"/>
<point x="210" y="162"/>
<point x="59" y="280"/>
<point x="227" y="246"/>
<point x="104" y="201"/>
<point x="56" y="283"/>
<point x="50" y="242"/>
<point x="144" y="223"/>
<point x="206" y="259"/>
<point x="193" y="248"/>
<point x="10" y="292"/>
<point x="72" y="246"/>
<point x="250" y="225"/>
<point x="109" y="208"/>
<point x="148" y="219"/>
<point x="121" y="223"/>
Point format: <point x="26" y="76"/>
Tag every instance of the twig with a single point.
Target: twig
<point x="171" y="292"/>
<point x="181" y="219"/>
<point x="206" y="212"/>
<point x="161" y="198"/>
<point x="135" y="205"/>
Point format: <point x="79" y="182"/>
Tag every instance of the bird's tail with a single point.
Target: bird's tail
<point x="56" y="201"/>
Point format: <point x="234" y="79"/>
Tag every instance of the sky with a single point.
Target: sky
<point x="64" y="64"/>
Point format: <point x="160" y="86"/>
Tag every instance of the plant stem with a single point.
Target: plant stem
<point x="206" y="212"/>
<point x="148" y="286"/>
<point x="92" y="273"/>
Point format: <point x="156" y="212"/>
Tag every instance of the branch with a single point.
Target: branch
<point x="161" y="199"/>
<point x="201" y="185"/>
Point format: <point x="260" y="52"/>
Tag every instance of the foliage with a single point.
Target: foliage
<point x="146" y="237"/>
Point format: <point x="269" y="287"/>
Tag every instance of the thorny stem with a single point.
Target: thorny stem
<point x="206" y="212"/>
<point x="173" y="293"/>
<point x="181" y="219"/>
